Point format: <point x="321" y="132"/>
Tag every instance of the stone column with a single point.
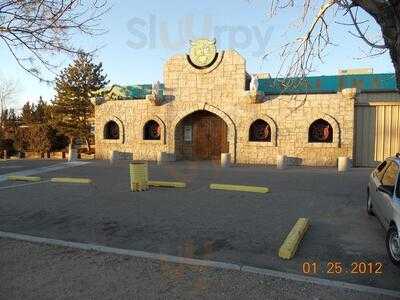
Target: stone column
<point x="162" y="157"/>
<point x="350" y="93"/>
<point x="225" y="160"/>
<point x="112" y="156"/>
<point x="343" y="164"/>
<point x="350" y="96"/>
<point x="281" y="162"/>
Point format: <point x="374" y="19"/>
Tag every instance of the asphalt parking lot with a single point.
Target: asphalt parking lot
<point x="236" y="227"/>
<point x="9" y="166"/>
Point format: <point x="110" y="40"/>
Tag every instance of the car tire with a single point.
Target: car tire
<point x="370" y="209"/>
<point x="391" y="247"/>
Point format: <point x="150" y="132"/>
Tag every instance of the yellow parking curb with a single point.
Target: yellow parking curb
<point x="167" y="184"/>
<point x="71" y="180"/>
<point x="23" y="178"/>
<point x="240" y="188"/>
<point x="292" y="241"/>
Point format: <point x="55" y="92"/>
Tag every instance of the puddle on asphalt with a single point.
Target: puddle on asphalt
<point x="110" y="228"/>
<point x="200" y="248"/>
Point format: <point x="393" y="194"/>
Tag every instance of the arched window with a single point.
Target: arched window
<point x="152" y="131"/>
<point x="320" y="132"/>
<point x="111" y="131"/>
<point x="260" y="131"/>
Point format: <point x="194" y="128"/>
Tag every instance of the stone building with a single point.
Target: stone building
<point x="208" y="104"/>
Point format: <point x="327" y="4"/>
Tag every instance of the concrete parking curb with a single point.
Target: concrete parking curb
<point x="168" y="184"/>
<point x="71" y="180"/>
<point x="205" y="263"/>
<point x="23" y="178"/>
<point x="292" y="241"/>
<point x="239" y="188"/>
<point x="47" y="169"/>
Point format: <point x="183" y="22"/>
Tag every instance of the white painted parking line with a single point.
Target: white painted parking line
<point x="22" y="185"/>
<point x="46" y="169"/>
<point x="205" y="263"/>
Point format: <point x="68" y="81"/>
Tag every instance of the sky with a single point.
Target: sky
<point x="142" y="35"/>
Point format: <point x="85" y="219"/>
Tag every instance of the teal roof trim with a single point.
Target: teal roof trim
<point x="309" y="85"/>
<point x="328" y="84"/>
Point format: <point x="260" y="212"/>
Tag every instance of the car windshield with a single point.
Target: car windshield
<point x="390" y="176"/>
<point x="380" y="170"/>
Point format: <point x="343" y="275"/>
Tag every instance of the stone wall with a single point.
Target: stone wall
<point x="220" y="89"/>
<point x="292" y="116"/>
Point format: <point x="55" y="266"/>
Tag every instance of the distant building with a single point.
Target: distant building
<point x="360" y="71"/>
<point x="205" y="108"/>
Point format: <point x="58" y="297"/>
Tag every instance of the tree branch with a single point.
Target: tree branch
<point x="40" y="27"/>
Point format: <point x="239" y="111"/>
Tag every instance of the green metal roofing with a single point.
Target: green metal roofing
<point x="139" y="91"/>
<point x="118" y="92"/>
<point x="328" y="84"/>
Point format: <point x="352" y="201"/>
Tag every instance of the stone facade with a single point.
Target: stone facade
<point x="221" y="90"/>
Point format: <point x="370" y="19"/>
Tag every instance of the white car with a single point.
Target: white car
<point x="384" y="202"/>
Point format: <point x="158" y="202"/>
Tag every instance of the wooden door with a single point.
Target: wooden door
<point x="202" y="138"/>
<point x="210" y="137"/>
<point x="219" y="143"/>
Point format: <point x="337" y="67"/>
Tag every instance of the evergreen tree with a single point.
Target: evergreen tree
<point x="27" y="113"/>
<point x="10" y="123"/>
<point x="37" y="134"/>
<point x="40" y="138"/>
<point x="4" y="119"/>
<point x="21" y="139"/>
<point x="40" y="112"/>
<point x="75" y="86"/>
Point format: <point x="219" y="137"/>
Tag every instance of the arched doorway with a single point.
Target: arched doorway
<point x="201" y="135"/>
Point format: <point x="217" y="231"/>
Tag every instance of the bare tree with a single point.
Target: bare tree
<point x="316" y="18"/>
<point x="34" y="29"/>
<point x="8" y="90"/>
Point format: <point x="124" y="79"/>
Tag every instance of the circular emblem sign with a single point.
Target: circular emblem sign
<point x="203" y="52"/>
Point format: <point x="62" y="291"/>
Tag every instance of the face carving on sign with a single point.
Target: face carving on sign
<point x="203" y="52"/>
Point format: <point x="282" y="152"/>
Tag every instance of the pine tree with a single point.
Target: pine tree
<point x="40" y="112"/>
<point x="21" y="140"/>
<point x="75" y="86"/>
<point x="40" y="138"/>
<point x="27" y="113"/>
<point x="10" y="122"/>
<point x="37" y="133"/>
<point x="10" y="125"/>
